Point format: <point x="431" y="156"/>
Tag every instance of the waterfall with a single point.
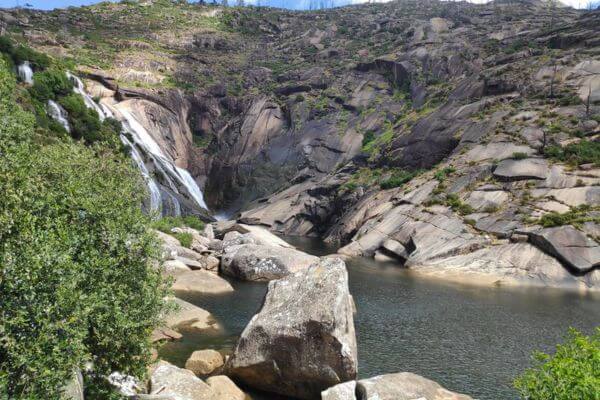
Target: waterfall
<point x="58" y="114"/>
<point x="87" y="99"/>
<point x="170" y="171"/>
<point x="25" y="72"/>
<point x="155" y="196"/>
<point x="174" y="178"/>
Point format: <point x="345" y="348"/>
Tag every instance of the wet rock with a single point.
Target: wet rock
<point x="263" y="263"/>
<point x="296" y="346"/>
<point x="514" y="170"/>
<point x="570" y="246"/>
<point x="200" y="282"/>
<point x="204" y="362"/>
<point x="190" y="316"/>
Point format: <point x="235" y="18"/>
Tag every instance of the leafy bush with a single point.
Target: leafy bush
<point x="576" y="217"/>
<point x="573" y="372"/>
<point x="20" y="53"/>
<point x="398" y="179"/>
<point x="49" y="85"/>
<point x="583" y="152"/>
<point x="185" y="239"/>
<point x="167" y="223"/>
<point x="76" y="282"/>
<point x="454" y="202"/>
<point x="442" y="174"/>
<point x="519" y="155"/>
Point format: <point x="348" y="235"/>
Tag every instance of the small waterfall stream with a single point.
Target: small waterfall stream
<point x="25" y="72"/>
<point x="144" y="152"/>
<point x="59" y="114"/>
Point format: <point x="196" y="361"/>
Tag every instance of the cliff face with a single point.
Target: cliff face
<point x="377" y="126"/>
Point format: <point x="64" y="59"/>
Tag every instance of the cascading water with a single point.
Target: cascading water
<point x="174" y="178"/>
<point x="25" y="72"/>
<point x="87" y="99"/>
<point x="58" y="114"/>
<point x="165" y="165"/>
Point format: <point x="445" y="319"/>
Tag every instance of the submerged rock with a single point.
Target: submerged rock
<point x="302" y="341"/>
<point x="190" y="316"/>
<point x="253" y="262"/>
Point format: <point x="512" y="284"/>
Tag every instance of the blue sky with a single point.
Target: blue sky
<point x="50" y="4"/>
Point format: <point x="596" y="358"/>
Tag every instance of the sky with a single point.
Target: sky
<point x="298" y="4"/>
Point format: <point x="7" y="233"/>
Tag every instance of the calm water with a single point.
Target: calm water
<point x="470" y="339"/>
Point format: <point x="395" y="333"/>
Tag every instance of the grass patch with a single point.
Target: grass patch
<point x="185" y="239"/>
<point x="575" y="217"/>
<point x="456" y="204"/>
<point x="583" y="152"/>
<point x="399" y="178"/>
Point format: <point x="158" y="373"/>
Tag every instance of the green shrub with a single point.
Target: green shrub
<point x="576" y="217"/>
<point x="398" y="179"/>
<point x="442" y="174"/>
<point x="573" y="372"/>
<point x="76" y="276"/>
<point x="582" y="152"/>
<point x="185" y="239"/>
<point x="49" y="85"/>
<point x="454" y="202"/>
<point x="167" y="223"/>
<point x="519" y="155"/>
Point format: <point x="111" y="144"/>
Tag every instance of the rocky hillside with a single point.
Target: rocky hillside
<point x="456" y="139"/>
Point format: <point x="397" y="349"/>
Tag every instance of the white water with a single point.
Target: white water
<point x="144" y="141"/>
<point x="58" y="114"/>
<point x="87" y="99"/>
<point x="25" y="72"/>
<point x="163" y="162"/>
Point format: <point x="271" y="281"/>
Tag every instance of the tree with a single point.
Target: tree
<point x="76" y="281"/>
<point x="573" y="372"/>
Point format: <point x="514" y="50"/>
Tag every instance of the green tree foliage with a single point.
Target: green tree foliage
<point x="76" y="283"/>
<point x="50" y="84"/>
<point x="167" y="223"/>
<point x="17" y="54"/>
<point x="573" y="372"/>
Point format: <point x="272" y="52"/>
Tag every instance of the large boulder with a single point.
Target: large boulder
<point x="400" y="386"/>
<point x="252" y="262"/>
<point x="200" y="282"/>
<point x="572" y="247"/>
<point x="225" y="389"/>
<point x="302" y="341"/>
<point x="515" y="170"/>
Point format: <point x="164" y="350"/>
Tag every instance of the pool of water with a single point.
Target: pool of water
<point x="470" y="339"/>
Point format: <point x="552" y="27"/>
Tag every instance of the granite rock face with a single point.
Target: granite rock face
<point x="302" y="341"/>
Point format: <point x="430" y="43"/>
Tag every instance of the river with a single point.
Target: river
<point x="470" y="339"/>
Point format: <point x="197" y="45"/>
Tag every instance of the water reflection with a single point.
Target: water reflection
<point x="471" y="339"/>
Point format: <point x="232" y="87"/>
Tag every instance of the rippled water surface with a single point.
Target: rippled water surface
<point x="473" y="340"/>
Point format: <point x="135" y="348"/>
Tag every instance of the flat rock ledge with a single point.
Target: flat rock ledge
<point x="302" y="341"/>
<point x="400" y="386"/>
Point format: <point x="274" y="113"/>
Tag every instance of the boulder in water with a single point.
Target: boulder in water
<point x="201" y="282"/>
<point x="400" y="386"/>
<point x="204" y="362"/>
<point x="253" y="262"/>
<point x="302" y="341"/>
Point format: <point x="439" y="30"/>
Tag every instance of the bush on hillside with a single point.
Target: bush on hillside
<point x="583" y="152"/>
<point x="49" y="85"/>
<point x="573" y="372"/>
<point x="76" y="282"/>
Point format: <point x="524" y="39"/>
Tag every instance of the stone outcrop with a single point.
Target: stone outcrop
<point x="263" y="263"/>
<point x="302" y="341"/>
<point x="200" y="282"/>
<point x="572" y="247"/>
<point x="400" y="386"/>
